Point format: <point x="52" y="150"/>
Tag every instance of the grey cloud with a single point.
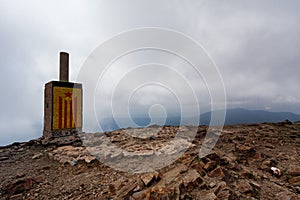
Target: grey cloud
<point x="255" y="44"/>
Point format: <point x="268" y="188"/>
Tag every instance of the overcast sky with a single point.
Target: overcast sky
<point x="254" y="43"/>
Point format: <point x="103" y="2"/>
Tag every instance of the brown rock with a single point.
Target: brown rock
<point x="294" y="180"/>
<point x="149" y="178"/>
<point x="293" y="171"/>
<point x="224" y="194"/>
<point x="4" y="158"/>
<point x="20" y="186"/>
<point x="219" y="187"/>
<point x="265" y="164"/>
<point x="16" y="197"/>
<point x="245" y="187"/>
<point x="210" y="165"/>
<point x="126" y="190"/>
<point x="37" y="156"/>
<point x="199" y="167"/>
<point x="217" y="173"/>
<point x="255" y="185"/>
<point x="164" y="193"/>
<point x="141" y="195"/>
<point x="246" y="150"/>
<point x="206" y="195"/>
<point x="285" y="195"/>
<point x="191" y="179"/>
<point x="38" y="179"/>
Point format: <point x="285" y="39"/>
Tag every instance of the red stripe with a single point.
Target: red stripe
<point x="66" y="114"/>
<point x="71" y="114"/>
<point x="75" y="111"/>
<point x="60" y="113"/>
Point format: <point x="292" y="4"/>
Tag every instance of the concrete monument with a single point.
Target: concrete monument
<point x="62" y="104"/>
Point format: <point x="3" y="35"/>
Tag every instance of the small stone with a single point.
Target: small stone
<point x="20" y="186"/>
<point x="217" y="173"/>
<point x="255" y="185"/>
<point x="245" y="187"/>
<point x="269" y="146"/>
<point x="16" y="197"/>
<point x="191" y="179"/>
<point x="207" y="195"/>
<point x="149" y="177"/>
<point x="38" y="179"/>
<point x="37" y="156"/>
<point x="265" y="165"/>
<point x="4" y="158"/>
<point x="212" y="184"/>
<point x="210" y="165"/>
<point x="294" y="180"/>
<point x="219" y="187"/>
<point x="141" y="195"/>
<point x="293" y="171"/>
<point x="20" y="175"/>
<point x="224" y="194"/>
<point x="124" y="191"/>
<point x="285" y="195"/>
<point x="198" y="166"/>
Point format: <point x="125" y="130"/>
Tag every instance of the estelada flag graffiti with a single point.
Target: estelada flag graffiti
<point x="67" y="108"/>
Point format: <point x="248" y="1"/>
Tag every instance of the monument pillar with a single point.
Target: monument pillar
<point x="64" y="67"/>
<point x="62" y="104"/>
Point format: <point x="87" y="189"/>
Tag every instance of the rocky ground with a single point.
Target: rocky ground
<point x="258" y="161"/>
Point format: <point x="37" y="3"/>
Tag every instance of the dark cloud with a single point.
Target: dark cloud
<point x="255" y="44"/>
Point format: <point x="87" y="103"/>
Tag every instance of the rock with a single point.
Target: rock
<point x="293" y="171"/>
<point x="173" y="174"/>
<point x="294" y="180"/>
<point x="212" y="184"/>
<point x="174" y="182"/>
<point x="198" y="166"/>
<point x="210" y="165"/>
<point x="19" y="186"/>
<point x="141" y="195"/>
<point x="213" y="156"/>
<point x="216" y="173"/>
<point x="224" y="194"/>
<point x="37" y="156"/>
<point x="246" y="151"/>
<point x="285" y="195"/>
<point x="20" y="175"/>
<point x="4" y="158"/>
<point x="191" y="179"/>
<point x="125" y="190"/>
<point x="16" y="197"/>
<point x="269" y="146"/>
<point x="265" y="164"/>
<point x="227" y="172"/>
<point x="245" y="187"/>
<point x="255" y="185"/>
<point x="219" y="187"/>
<point x="206" y="195"/>
<point x="221" y="190"/>
<point x="71" y="155"/>
<point x="149" y="178"/>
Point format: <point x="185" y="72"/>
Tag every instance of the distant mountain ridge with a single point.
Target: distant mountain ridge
<point x="233" y="116"/>
<point x="244" y="116"/>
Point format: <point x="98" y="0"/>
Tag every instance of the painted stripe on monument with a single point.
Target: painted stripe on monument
<point x="75" y="112"/>
<point x="71" y="115"/>
<point x="60" y="113"/>
<point x="65" y="114"/>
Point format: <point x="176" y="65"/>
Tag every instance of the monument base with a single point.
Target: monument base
<point x="62" y="137"/>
